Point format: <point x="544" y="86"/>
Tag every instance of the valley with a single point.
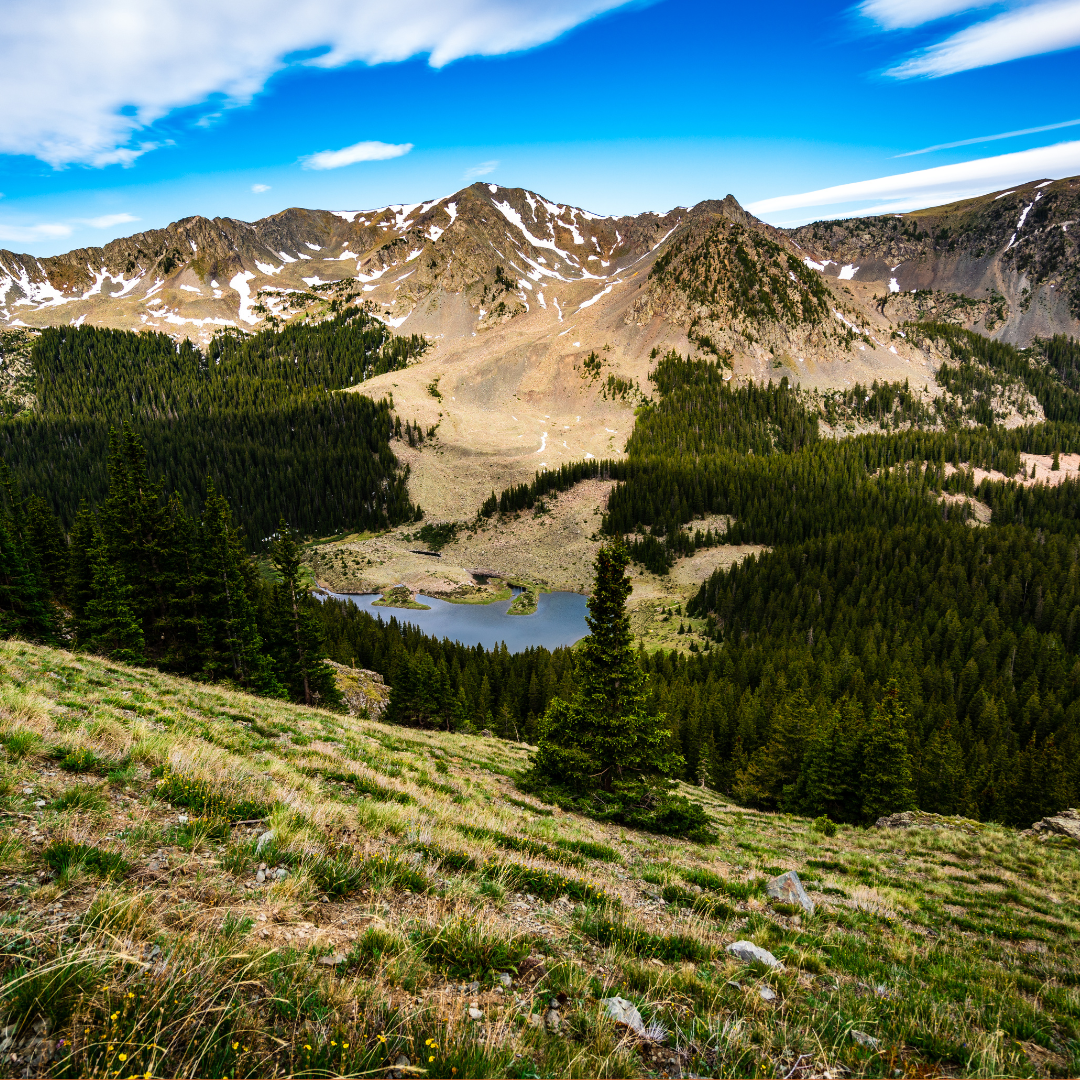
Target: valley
<point x="821" y="487"/>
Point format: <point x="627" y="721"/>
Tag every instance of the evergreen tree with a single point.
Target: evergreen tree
<point x="297" y="637"/>
<point x="886" y="762"/>
<point x="605" y="743"/>
<point x="24" y="603"/>
<point x="109" y="625"/>
<point x="776" y="765"/>
<point x="608" y="721"/>
<point x="233" y="646"/>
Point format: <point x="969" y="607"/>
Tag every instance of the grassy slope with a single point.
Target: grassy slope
<point x="955" y="948"/>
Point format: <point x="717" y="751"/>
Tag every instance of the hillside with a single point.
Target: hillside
<point x="198" y="882"/>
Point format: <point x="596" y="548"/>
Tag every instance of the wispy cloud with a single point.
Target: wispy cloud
<point x="1028" y="31"/>
<point x="350" y="155"/>
<point x="905" y="14"/>
<point x="989" y="138"/>
<point x="260" y="188"/>
<point x="31" y="233"/>
<point x="107" y="221"/>
<point x="103" y="73"/>
<point x="931" y="187"/>
<point x="482" y="169"/>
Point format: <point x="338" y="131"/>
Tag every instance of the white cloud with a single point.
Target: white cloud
<point x="107" y="221"/>
<point x="260" y="188"/>
<point x="361" y="151"/>
<point x="30" y="233"/>
<point x="89" y="77"/>
<point x="904" y="14"/>
<point x="1028" y="31"/>
<point x="482" y="169"/>
<point x="990" y="138"/>
<point x="932" y="187"/>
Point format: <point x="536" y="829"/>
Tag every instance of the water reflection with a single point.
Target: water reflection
<point x="559" y="619"/>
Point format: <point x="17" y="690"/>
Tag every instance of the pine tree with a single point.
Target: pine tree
<point x="886" y="763"/>
<point x="605" y="734"/>
<point x="24" y="604"/>
<point x="297" y="638"/>
<point x="109" y="625"/>
<point x="605" y="742"/>
<point x="233" y="646"/>
<point x="776" y="765"/>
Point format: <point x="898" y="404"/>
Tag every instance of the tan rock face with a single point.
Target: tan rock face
<point x="1067" y="823"/>
<point x="362" y="690"/>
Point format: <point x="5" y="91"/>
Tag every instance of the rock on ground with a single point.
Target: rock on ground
<point x="788" y="889"/>
<point x="920" y="819"/>
<point x="361" y="689"/>
<point x="624" y="1012"/>
<point x="1067" y="823"/>
<point x="750" y="953"/>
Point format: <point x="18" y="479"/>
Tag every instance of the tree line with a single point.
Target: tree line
<point x="262" y="415"/>
<point x="141" y="580"/>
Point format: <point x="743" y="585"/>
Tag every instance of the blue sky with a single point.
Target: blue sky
<point x="144" y="111"/>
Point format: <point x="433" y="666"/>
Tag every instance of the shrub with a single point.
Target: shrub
<point x="823" y="825"/>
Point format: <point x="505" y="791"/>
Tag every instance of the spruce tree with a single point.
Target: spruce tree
<point x="605" y="742"/>
<point x="608" y="721"/>
<point x="109" y="625"/>
<point x="299" y="648"/>
<point x="24" y="605"/>
<point x="886" y="763"/>
<point x="233" y="646"/>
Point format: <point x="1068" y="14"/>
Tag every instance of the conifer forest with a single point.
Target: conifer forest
<point x="882" y="652"/>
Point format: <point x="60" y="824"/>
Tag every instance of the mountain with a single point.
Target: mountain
<point x="492" y="249"/>
<point x="1009" y="255"/>
<point x="1004" y="263"/>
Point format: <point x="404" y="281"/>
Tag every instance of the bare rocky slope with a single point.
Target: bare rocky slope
<point x="485" y="256"/>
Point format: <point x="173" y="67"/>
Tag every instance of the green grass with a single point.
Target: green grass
<point x="464" y="948"/>
<point x="66" y="857"/>
<point x="612" y="930"/>
<point x="955" y="947"/>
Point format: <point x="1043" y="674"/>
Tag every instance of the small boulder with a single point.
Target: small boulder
<point x="332" y="959"/>
<point x="361" y="690"/>
<point x="624" y="1012"/>
<point x="789" y="889"/>
<point x="476" y="1014"/>
<point x="531" y="969"/>
<point x="504" y="978"/>
<point x="553" y="1020"/>
<point x="749" y="953"/>
<point x="865" y="1040"/>
<point x="767" y="993"/>
<point x="1066" y="823"/>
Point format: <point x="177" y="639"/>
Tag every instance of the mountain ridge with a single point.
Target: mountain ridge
<point x="494" y="248"/>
